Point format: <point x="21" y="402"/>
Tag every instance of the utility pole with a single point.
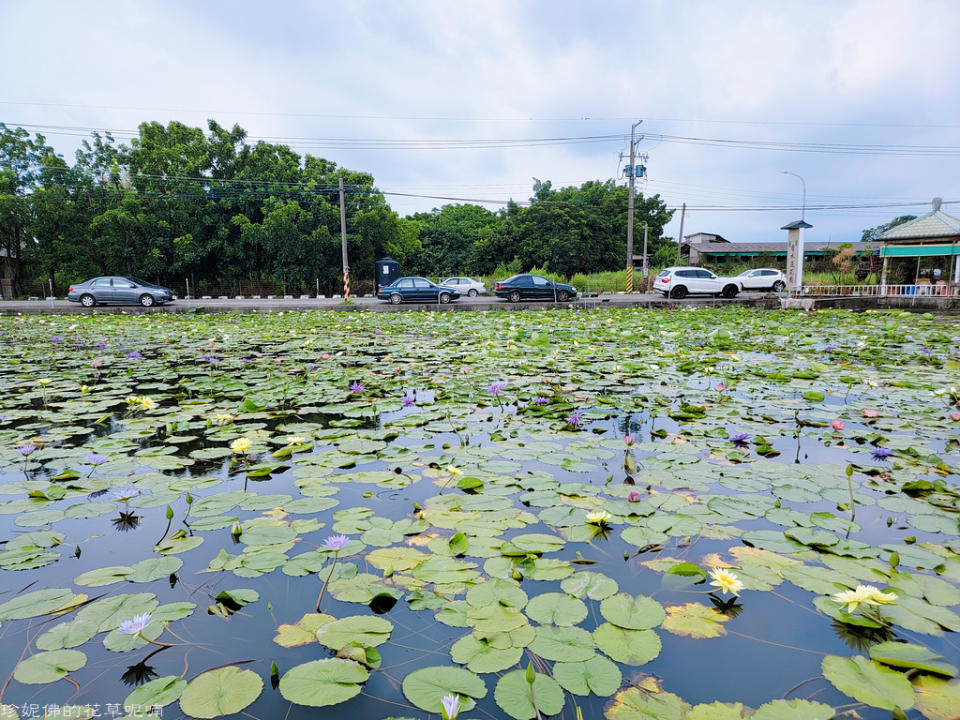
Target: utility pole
<point x="683" y="213"/>
<point x="343" y="246"/>
<point x="645" y="229"/>
<point x="631" y="175"/>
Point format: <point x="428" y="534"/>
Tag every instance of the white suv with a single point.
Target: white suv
<point x="678" y="282"/>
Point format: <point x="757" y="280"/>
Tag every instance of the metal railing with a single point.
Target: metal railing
<point x="917" y="289"/>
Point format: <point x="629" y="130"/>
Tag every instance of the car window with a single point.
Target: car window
<point x="686" y="273"/>
<point x="405" y="282"/>
<point x="421" y="283"/>
<point x="101" y="282"/>
<point x="769" y="273"/>
<point x="541" y="281"/>
<point x="663" y="273"/>
<point x="706" y="274"/>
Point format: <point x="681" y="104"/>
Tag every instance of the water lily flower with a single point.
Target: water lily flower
<point x="26" y="450"/>
<point x="575" y="420"/>
<point x="629" y="440"/>
<point x="837" y="425"/>
<point x="222" y="418"/>
<point x="94" y="459"/>
<point x="634" y="496"/>
<point x="241" y="445"/>
<point x="882" y="453"/>
<point x="357" y="388"/>
<point x="336" y="543"/>
<point x="296" y="440"/>
<point x="125" y="493"/>
<point x="133" y="355"/>
<point x="43" y="382"/>
<point x="450" y="706"/>
<point x="720" y="387"/>
<point x="408" y="401"/>
<point x="740" y="438"/>
<point x="598" y="517"/>
<point x="542" y="401"/>
<point x="135" y="626"/>
<point x="84" y="389"/>
<point x="236" y="530"/>
<point x="871" y="413"/>
<point x="56" y="339"/>
<point x="726" y="580"/>
<point x="955" y="416"/>
<point x="97" y="362"/>
<point x="864" y="595"/>
<point x="147" y="404"/>
<point x="495" y="388"/>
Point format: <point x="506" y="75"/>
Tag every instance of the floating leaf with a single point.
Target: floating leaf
<point x="637" y="704"/>
<point x="219" y="692"/>
<point x="556" y="609"/>
<point x="633" y="613"/>
<point x="869" y="682"/>
<point x="938" y="699"/>
<point x="515" y="699"/>
<point x="908" y="655"/>
<point x="630" y="647"/>
<point x="427" y="686"/>
<point x="303" y="632"/>
<point x="598" y="675"/>
<point x="37" y="603"/>
<point x="323" y="682"/>
<point x="694" y="620"/>
<point x="48" y="667"/>
<point x="793" y="710"/>
<point x="565" y="644"/>
<point x="367" y="630"/>
<point x="157" y="692"/>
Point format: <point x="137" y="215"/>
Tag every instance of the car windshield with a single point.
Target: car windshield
<point x="138" y="281"/>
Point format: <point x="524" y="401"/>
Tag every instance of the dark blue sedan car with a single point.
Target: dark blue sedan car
<point x="533" y="287"/>
<point x="416" y="289"/>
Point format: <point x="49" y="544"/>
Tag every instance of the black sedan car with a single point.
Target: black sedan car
<point x="533" y="287"/>
<point x="120" y="290"/>
<point x="416" y="289"/>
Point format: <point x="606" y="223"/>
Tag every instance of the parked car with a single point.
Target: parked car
<point x="416" y="289"/>
<point x="678" y="282"/>
<point x="533" y="287"/>
<point x="466" y="286"/>
<point x="762" y="279"/>
<point x="119" y="289"/>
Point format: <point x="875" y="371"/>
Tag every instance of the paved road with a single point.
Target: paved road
<point x="12" y="307"/>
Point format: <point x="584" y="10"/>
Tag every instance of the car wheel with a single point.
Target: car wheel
<point x="396" y="298"/>
<point x="444" y="298"/>
<point x="778" y="286"/>
<point x="730" y="291"/>
<point x="88" y="300"/>
<point x="679" y="292"/>
<point x="515" y="296"/>
<point x="563" y="296"/>
<point x="472" y="292"/>
<point x="147" y="300"/>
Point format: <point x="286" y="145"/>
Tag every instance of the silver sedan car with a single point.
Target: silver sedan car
<point x="466" y="286"/>
<point x="119" y="289"/>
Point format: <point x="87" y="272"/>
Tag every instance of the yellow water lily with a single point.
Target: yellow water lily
<point x="84" y="388"/>
<point x="296" y="440"/>
<point x="241" y="445"/>
<point x="863" y="595"/>
<point x="147" y="404"/>
<point x="223" y="418"/>
<point x="454" y="471"/>
<point x="726" y="580"/>
<point x="598" y="517"/>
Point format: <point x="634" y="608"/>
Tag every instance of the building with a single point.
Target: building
<point x="722" y="251"/>
<point x="925" y="250"/>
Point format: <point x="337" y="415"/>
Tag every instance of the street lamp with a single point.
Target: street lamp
<point x="803" y="212"/>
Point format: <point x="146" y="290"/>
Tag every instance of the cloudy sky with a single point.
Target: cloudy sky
<point x="826" y="73"/>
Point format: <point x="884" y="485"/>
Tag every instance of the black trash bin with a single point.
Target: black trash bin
<point x="387" y="271"/>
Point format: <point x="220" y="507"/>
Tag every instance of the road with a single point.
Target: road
<point x="247" y="305"/>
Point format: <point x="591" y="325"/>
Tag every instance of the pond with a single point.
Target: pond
<point x="693" y="514"/>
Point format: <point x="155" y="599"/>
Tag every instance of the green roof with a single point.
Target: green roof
<point x="936" y="224"/>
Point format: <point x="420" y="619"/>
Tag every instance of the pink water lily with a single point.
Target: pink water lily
<point x="871" y="413"/>
<point x="837" y="425"/>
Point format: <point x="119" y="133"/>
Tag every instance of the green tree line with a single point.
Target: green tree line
<point x="179" y="202"/>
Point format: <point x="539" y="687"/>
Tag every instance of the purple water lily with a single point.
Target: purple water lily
<point x="311" y="367"/>
<point x="56" y="339"/>
<point x="357" y="388"/>
<point x="135" y="626"/>
<point x="541" y="401"/>
<point x="629" y="440"/>
<point x="575" y="420"/>
<point x="634" y="496"/>
<point x="133" y="355"/>
<point x="740" y="438"/>
<point x="495" y="388"/>
<point x="336" y="543"/>
<point x="408" y="400"/>
<point x="882" y="453"/>
<point x="94" y="459"/>
<point x="26" y="450"/>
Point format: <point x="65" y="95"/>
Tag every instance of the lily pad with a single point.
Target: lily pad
<point x="219" y="692"/>
<point x="869" y="682"/>
<point x="320" y="683"/>
<point x="427" y="686"/>
<point x="513" y="695"/>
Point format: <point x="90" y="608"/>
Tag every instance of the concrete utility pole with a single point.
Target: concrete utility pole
<point x="645" y="229"/>
<point x="343" y="246"/>
<point x="631" y="175"/>
<point x="683" y="214"/>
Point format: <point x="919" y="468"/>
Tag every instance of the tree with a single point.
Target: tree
<point x="870" y="234"/>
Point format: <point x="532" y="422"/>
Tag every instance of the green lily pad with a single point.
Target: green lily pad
<point x="427" y="686"/>
<point x="513" y="695"/>
<point x="368" y="630"/>
<point x="633" y="613"/>
<point x="564" y="644"/>
<point x="869" y="682"/>
<point x="320" y="683"/>
<point x="48" y="667"/>
<point x="219" y="692"/>
<point x="556" y="609"/>
<point x="793" y="710"/>
<point x="630" y="647"/>
<point x="157" y="692"/>
<point x="908" y="655"/>
<point x="694" y="620"/>
<point x="597" y="675"/>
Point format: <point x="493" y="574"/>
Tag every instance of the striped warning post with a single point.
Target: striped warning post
<point x="346" y="287"/>
<point x="629" y="278"/>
